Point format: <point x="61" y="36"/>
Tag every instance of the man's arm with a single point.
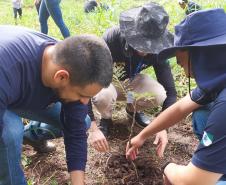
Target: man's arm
<point x="75" y="139"/>
<point x="96" y="137"/>
<point x="189" y="175"/>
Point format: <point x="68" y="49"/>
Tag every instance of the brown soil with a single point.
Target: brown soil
<point x="113" y="168"/>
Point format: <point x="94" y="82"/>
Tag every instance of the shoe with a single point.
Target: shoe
<point x="40" y="146"/>
<point x="141" y="119"/>
<point x="105" y="125"/>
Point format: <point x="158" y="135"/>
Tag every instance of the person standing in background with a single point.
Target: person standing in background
<point x="37" y="5"/>
<point x="52" y="8"/>
<point x="17" y="8"/>
<point x="189" y="6"/>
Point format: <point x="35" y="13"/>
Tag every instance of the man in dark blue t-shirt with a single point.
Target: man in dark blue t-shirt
<point x="200" y="50"/>
<point x="48" y="81"/>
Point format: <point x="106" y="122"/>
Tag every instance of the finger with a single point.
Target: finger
<point x="133" y="156"/>
<point x="156" y="141"/>
<point x="130" y="152"/>
<point x="127" y="147"/>
<point x="159" y="151"/>
<point x="163" y="147"/>
<point x="104" y="145"/>
<point x="101" y="146"/>
<point x="95" y="146"/>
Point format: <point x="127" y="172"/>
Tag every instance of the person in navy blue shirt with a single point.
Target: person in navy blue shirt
<point x="199" y="47"/>
<point x="49" y="81"/>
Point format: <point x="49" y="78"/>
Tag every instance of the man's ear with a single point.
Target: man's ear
<point x="61" y="77"/>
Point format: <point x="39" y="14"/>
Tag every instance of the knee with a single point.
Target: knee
<point x="145" y="84"/>
<point x="13" y="129"/>
<point x="106" y="97"/>
<point x="200" y="116"/>
<point x="199" y="120"/>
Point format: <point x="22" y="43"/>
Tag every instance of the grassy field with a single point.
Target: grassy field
<point x="97" y="22"/>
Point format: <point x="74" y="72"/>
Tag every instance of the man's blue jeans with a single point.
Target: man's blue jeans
<point x="199" y="120"/>
<point x="12" y="138"/>
<point x="52" y="8"/>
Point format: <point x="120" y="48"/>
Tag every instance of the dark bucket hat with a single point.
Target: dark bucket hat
<point x="144" y="28"/>
<point x="203" y="28"/>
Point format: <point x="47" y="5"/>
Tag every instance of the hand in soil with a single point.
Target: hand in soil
<point x="161" y="141"/>
<point x="132" y="148"/>
<point x="98" y="140"/>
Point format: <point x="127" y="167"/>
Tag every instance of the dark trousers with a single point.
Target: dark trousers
<point x="17" y="11"/>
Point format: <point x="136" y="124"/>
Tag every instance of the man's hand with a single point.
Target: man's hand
<point x="77" y="177"/>
<point x="132" y="151"/>
<point x="161" y="141"/>
<point x="97" y="138"/>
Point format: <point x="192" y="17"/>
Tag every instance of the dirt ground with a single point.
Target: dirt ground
<point x="112" y="168"/>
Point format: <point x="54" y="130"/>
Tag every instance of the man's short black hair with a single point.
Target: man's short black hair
<point x="87" y="58"/>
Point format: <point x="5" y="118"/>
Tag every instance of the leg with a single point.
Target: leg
<point x="47" y="125"/>
<point x="199" y="120"/>
<point x="104" y="102"/>
<point x="10" y="150"/>
<point x="20" y="12"/>
<point x="15" y="15"/>
<point x="43" y="17"/>
<point x="144" y="84"/>
<point x="54" y="10"/>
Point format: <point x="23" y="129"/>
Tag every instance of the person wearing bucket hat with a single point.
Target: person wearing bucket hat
<point x="189" y="6"/>
<point x="134" y="45"/>
<point x="199" y="46"/>
<point x="92" y="5"/>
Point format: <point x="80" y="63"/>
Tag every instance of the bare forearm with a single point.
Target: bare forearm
<point x="93" y="126"/>
<point x="169" y="117"/>
<point x="77" y="178"/>
<point x="189" y="175"/>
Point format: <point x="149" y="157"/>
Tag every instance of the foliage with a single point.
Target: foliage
<point x="25" y="161"/>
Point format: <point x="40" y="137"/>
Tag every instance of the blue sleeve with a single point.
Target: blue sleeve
<point x="201" y="97"/>
<point x="75" y="138"/>
<point x="211" y="152"/>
